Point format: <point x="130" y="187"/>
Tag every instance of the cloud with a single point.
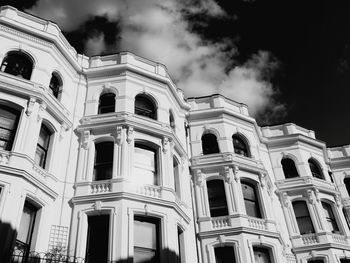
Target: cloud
<point x="158" y="30"/>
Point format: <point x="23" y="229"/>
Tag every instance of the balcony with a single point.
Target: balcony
<point x="237" y="221"/>
<point x="305" y="182"/>
<point x="322" y="238"/>
<point x="21" y="165"/>
<point x="228" y="158"/>
<point x="99" y="190"/>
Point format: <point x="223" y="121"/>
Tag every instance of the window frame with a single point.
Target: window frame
<point x="11" y="55"/>
<point x="43" y="150"/>
<point x="140" y="110"/>
<point x="207" y="148"/>
<point x="257" y="202"/>
<point x="332" y="220"/>
<point x="9" y="140"/>
<point x="226" y="246"/>
<point x="102" y="169"/>
<point x="106" y="108"/>
<point x="241" y="147"/>
<point x="265" y="250"/>
<point x="56" y="91"/>
<point x="315" y="169"/>
<point x="216" y="210"/>
<point x="147" y="146"/>
<point x="157" y="222"/>
<point x="303" y="217"/>
<point x="289" y="170"/>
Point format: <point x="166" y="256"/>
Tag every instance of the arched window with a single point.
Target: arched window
<point x="55" y="85"/>
<point x="303" y="217"/>
<point x="315" y="169"/>
<point x="251" y="200"/>
<point x="330" y="218"/>
<point x="209" y="144"/>
<point x="42" y="146"/>
<point x="217" y="198"/>
<point x="145" y="106"/>
<point x="145" y="164"/>
<point x="224" y="254"/>
<point x="347" y="184"/>
<point x="103" y="167"/>
<point x="289" y="168"/>
<point x="8" y="126"/>
<point x="171" y="120"/>
<point x="239" y="146"/>
<point x="106" y="103"/>
<point x="261" y="255"/>
<point x="17" y="64"/>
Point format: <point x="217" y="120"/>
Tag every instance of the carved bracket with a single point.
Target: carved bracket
<point x="236" y="173"/>
<point x="30" y="106"/>
<point x="85" y="140"/>
<point x="227" y="174"/>
<point x="198" y="178"/>
<point x="130" y="134"/>
<point x="42" y="109"/>
<point x="285" y="200"/>
<point x="165" y="143"/>
<point x="117" y="134"/>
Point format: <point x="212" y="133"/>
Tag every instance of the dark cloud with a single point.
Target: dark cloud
<point x="19" y="4"/>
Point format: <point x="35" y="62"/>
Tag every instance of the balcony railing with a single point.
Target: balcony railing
<point x="309" y="239"/>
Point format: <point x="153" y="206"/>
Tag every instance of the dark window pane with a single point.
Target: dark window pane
<point x="303" y="217"/>
<point x="251" y="201"/>
<point x="209" y="144"/>
<point x="97" y="239"/>
<point x="347" y="184"/>
<point x="171" y="121"/>
<point x="146" y="240"/>
<point x="289" y="168"/>
<point x="42" y="146"/>
<point x="55" y="85"/>
<point x="103" y="161"/>
<point x="315" y="169"/>
<point x="345" y="260"/>
<point x="316" y="261"/>
<point x="145" y="107"/>
<point x="261" y="255"/>
<point x="328" y="212"/>
<point x="239" y="146"/>
<point x="225" y="254"/>
<point x="8" y="126"/>
<point x="17" y="64"/>
<point x="217" y="198"/>
<point x="106" y="103"/>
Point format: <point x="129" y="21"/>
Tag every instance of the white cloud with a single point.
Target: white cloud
<point x="156" y="29"/>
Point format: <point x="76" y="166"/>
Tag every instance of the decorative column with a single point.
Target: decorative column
<point x="200" y="196"/>
<point x="83" y="156"/>
<point x="228" y="177"/>
<point x="314" y="201"/>
<point x="117" y="153"/>
<point x="237" y="191"/>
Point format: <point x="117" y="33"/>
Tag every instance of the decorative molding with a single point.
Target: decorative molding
<point x="285" y="199"/>
<point x="30" y="106"/>
<point x="222" y="240"/>
<point x="227" y="174"/>
<point x="262" y="178"/>
<point x="117" y="134"/>
<point x="97" y="206"/>
<point x="130" y="134"/>
<point x="310" y="196"/>
<point x="42" y="108"/>
<point x="165" y="144"/>
<point x="235" y="172"/>
<point x="85" y="140"/>
<point x="198" y="178"/>
<point x="63" y="129"/>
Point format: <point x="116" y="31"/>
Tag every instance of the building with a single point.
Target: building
<point x="103" y="159"/>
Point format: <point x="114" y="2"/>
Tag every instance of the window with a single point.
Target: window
<point x="103" y="168"/>
<point x="8" y="126"/>
<point x="224" y="254"/>
<point x="55" y="85"/>
<point x="26" y="227"/>
<point x="316" y="261"/>
<point x="97" y="239"/>
<point x="181" y="245"/>
<point x="171" y="120"/>
<point x="251" y="200"/>
<point x="343" y="260"/>
<point x="261" y="255"/>
<point x="289" y="168"/>
<point x="303" y="217"/>
<point x="146" y="240"/>
<point x="328" y="212"/>
<point x="347" y="184"/>
<point x="145" y="164"/>
<point x="144" y="106"/>
<point x="315" y="169"/>
<point x="176" y="176"/>
<point x="106" y="103"/>
<point x="346" y="217"/>
<point x="42" y="146"/>
<point x="217" y="198"/>
<point x="209" y="144"/>
<point x="17" y="64"/>
<point x="240" y="146"/>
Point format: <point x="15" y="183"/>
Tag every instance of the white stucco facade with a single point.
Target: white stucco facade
<point x="255" y="218"/>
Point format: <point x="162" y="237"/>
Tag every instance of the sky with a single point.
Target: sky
<point x="289" y="61"/>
